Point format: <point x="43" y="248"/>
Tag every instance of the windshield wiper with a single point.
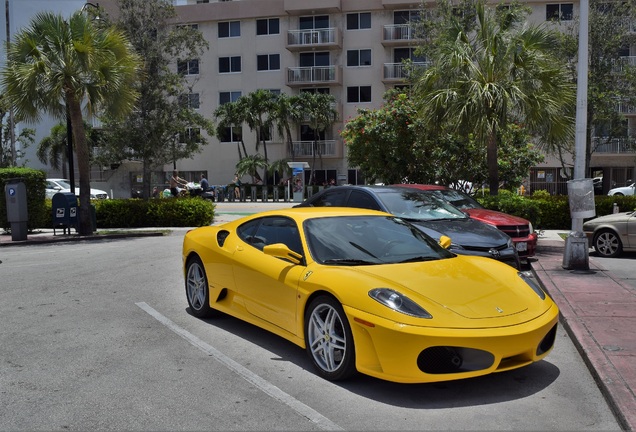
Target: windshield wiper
<point x="348" y="261"/>
<point x="418" y="259"/>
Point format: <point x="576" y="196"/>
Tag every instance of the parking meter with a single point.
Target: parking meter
<point x="17" y="213"/>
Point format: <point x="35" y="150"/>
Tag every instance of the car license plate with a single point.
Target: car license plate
<point x="522" y="246"/>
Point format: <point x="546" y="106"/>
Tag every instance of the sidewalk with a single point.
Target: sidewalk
<point x="599" y="314"/>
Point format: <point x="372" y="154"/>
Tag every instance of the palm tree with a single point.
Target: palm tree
<point x="497" y="71"/>
<point x="228" y="115"/>
<point x="284" y="113"/>
<point x="256" y="107"/>
<point x="52" y="150"/>
<point x="55" y="65"/>
<point x="250" y="165"/>
<point x="280" y="167"/>
<point x="318" y="110"/>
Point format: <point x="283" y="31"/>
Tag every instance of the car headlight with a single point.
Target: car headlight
<point x="398" y="302"/>
<point x="510" y="243"/>
<point x="530" y="228"/>
<point x="527" y="278"/>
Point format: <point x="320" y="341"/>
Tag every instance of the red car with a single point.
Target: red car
<point x="523" y="236"/>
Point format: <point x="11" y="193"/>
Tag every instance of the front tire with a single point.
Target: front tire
<point x="329" y="340"/>
<point x="197" y="288"/>
<point x="607" y="244"/>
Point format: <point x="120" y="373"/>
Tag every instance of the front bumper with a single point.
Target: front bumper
<point x="409" y="354"/>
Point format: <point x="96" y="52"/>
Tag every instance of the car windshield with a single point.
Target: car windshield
<point x="459" y="199"/>
<point x="369" y="240"/>
<point x="419" y="205"/>
<point x="64" y="184"/>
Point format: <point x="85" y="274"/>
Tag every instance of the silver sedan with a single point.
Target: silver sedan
<point x="612" y="234"/>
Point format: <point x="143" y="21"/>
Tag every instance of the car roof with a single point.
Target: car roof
<point x="304" y="213"/>
<point x="422" y="186"/>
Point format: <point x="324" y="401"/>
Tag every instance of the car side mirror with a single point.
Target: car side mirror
<point x="444" y="241"/>
<point x="280" y="250"/>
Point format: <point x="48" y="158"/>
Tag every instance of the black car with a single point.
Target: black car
<point x="430" y="213"/>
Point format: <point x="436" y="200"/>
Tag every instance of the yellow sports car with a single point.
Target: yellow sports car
<point x="365" y="291"/>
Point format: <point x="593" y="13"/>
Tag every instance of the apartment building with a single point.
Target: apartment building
<point x="351" y="49"/>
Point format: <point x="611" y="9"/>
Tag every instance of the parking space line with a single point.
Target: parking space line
<point x="321" y="421"/>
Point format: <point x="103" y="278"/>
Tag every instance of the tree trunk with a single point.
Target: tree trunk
<point x="491" y="159"/>
<point x="83" y="165"/>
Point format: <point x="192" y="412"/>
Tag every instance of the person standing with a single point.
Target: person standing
<point x="237" y="187"/>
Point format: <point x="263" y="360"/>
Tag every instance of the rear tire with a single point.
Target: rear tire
<point x="197" y="289"/>
<point x="607" y="244"/>
<point x="329" y="340"/>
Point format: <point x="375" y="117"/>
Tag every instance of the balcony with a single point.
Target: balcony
<point x="399" y="72"/>
<point x="398" y="34"/>
<point x="326" y="148"/>
<point x="625" y="108"/>
<point x="329" y="38"/>
<point x="310" y="75"/>
<point x="622" y="61"/>
<point x="622" y="145"/>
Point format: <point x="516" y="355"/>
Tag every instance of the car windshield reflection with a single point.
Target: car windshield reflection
<point x="418" y="205"/>
<point x="369" y="240"/>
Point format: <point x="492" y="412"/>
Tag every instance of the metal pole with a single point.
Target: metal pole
<point x="14" y="155"/>
<point x="576" y="255"/>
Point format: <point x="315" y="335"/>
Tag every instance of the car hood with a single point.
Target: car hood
<point x="459" y="292"/>
<point x="494" y="217"/>
<point x="464" y="232"/>
<point x="610" y="218"/>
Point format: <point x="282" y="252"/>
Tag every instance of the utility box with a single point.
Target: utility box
<point x="17" y="213"/>
<point x="64" y="210"/>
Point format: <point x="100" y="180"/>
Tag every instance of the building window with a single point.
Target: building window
<point x="229" y="29"/>
<point x="190" y="135"/>
<point x="266" y="134"/>
<point x="359" y="94"/>
<point x="406" y="16"/>
<point x="357" y="21"/>
<point x="267" y="26"/>
<point x="188" y="67"/>
<point x="226" y="97"/>
<point x="190" y="100"/>
<point x="314" y="22"/>
<point x="267" y="62"/>
<point x="231" y="134"/>
<point x="310" y="59"/>
<point x="559" y="12"/>
<point x="230" y="64"/>
<point x="359" y="57"/>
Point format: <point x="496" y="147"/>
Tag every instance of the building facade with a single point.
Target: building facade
<point x="351" y="49"/>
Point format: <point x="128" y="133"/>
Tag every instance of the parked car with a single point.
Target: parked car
<point x="612" y="234"/>
<point x="519" y="229"/>
<point x="55" y="185"/>
<point x="625" y="190"/>
<point x="433" y="215"/>
<point x="364" y="291"/>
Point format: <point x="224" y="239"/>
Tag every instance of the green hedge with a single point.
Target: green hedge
<point x="169" y="212"/>
<point x="547" y="211"/>
<point x="35" y="182"/>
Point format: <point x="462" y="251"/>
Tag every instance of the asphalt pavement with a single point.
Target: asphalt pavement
<point x="598" y="310"/>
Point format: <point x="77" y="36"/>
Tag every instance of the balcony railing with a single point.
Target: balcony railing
<point x="620" y="145"/>
<point x="398" y="33"/>
<point x="622" y="61"/>
<point x="313" y="75"/>
<point x="306" y="148"/>
<point x="400" y="71"/>
<point x="625" y="108"/>
<point x="313" y="38"/>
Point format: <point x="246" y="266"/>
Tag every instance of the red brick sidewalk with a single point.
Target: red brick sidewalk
<point x="599" y="313"/>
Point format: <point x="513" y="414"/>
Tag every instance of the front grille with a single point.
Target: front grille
<point x="449" y="359"/>
<point x="515" y="230"/>
<point x="101" y="196"/>
<point x="485" y="249"/>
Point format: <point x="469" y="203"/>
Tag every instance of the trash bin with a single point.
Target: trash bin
<point x="64" y="207"/>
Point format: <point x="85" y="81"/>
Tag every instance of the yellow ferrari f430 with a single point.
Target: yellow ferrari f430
<point x="364" y="291"/>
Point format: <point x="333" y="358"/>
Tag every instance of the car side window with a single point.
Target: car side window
<point x="271" y="230"/>
<point x="332" y="198"/>
<point x="359" y="199"/>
